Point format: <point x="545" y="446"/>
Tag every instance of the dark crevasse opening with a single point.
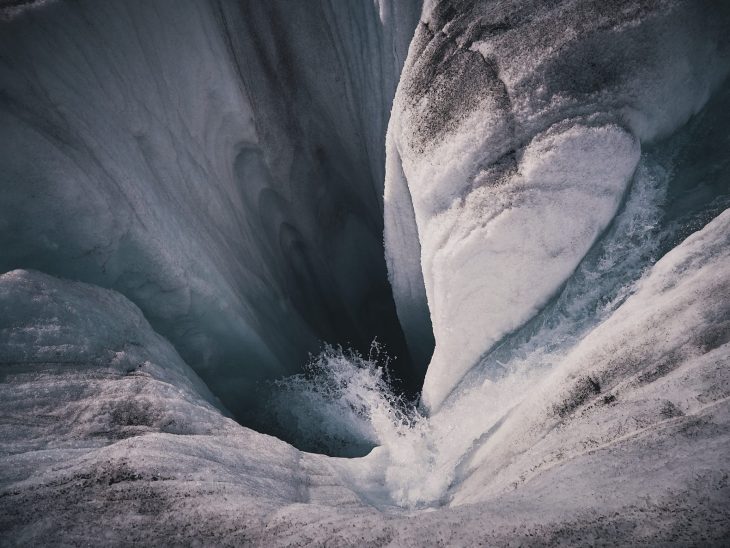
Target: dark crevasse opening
<point x="218" y="163"/>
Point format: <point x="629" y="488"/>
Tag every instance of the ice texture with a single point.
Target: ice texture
<point x="187" y="155"/>
<point x="626" y="436"/>
<point x="96" y="401"/>
<point x="191" y="201"/>
<point x="516" y="130"/>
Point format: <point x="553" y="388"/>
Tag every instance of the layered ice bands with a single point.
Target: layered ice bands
<point x="515" y="133"/>
<point x="218" y="163"/>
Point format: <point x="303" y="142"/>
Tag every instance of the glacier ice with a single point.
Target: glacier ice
<point x="512" y="142"/>
<point x="121" y="442"/>
<point x="150" y="148"/>
<point x="193" y="198"/>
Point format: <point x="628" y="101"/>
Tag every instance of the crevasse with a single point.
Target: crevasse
<point x="192" y="203"/>
<point x="188" y="156"/>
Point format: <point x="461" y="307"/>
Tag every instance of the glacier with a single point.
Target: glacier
<point x="210" y="210"/>
<point x="152" y="155"/>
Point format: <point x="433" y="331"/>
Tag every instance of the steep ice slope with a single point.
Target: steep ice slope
<point x="120" y="443"/>
<point x="189" y="156"/>
<point x="662" y="354"/>
<point x="516" y="130"/>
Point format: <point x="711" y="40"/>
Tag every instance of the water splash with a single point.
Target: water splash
<point x="344" y="400"/>
<point x="342" y="404"/>
<point x="417" y="459"/>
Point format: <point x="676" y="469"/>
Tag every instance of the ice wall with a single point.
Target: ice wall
<point x="218" y="163"/>
<point x="516" y="130"/>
